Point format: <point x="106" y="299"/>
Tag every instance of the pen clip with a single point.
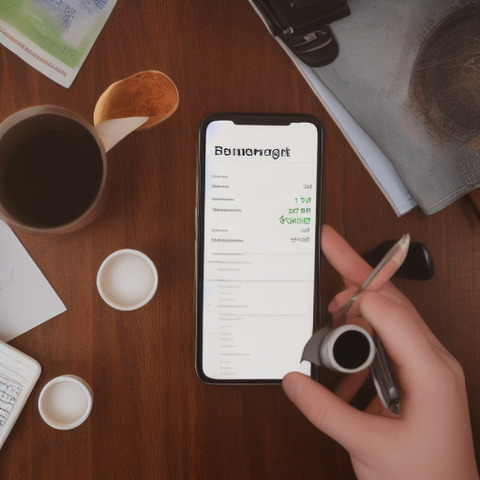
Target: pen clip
<point x="385" y="383"/>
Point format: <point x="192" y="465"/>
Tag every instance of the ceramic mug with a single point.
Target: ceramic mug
<point x="53" y="169"/>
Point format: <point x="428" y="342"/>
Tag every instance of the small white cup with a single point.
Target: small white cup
<point x="127" y="279"/>
<point x="347" y="349"/>
<point x="65" y="402"/>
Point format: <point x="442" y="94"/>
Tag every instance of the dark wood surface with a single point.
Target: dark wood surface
<point x="152" y="418"/>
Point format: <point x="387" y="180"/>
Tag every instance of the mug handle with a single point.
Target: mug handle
<point x="116" y="129"/>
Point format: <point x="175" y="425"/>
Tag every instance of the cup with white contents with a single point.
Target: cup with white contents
<point x="65" y="402"/>
<point x="127" y="279"/>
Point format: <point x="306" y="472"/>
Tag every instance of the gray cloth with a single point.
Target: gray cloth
<point x="437" y="159"/>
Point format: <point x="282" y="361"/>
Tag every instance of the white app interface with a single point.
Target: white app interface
<point x="259" y="249"/>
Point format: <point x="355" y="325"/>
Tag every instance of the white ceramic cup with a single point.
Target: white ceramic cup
<point x="127" y="279"/>
<point x="347" y="349"/>
<point x="65" y="402"/>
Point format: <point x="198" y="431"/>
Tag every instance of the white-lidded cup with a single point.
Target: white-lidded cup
<point x="65" y="402"/>
<point x="127" y="279"/>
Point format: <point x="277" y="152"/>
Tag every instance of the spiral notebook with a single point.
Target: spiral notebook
<point x="18" y="375"/>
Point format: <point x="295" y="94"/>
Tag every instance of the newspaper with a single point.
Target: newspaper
<point x="53" y="36"/>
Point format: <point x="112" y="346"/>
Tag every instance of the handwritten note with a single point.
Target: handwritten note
<point x="26" y="297"/>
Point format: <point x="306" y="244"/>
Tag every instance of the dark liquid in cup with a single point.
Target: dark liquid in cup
<point x="50" y="176"/>
<point x="351" y="349"/>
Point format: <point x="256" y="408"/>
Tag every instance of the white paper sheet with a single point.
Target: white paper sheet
<point x="26" y="297"/>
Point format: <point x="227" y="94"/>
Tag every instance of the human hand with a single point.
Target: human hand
<point x="431" y="437"/>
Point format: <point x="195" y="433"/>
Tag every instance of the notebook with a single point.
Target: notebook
<point x="18" y="375"/>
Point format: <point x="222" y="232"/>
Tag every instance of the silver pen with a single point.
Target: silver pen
<point x="381" y="367"/>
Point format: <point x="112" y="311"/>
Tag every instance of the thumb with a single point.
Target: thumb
<point x="329" y="413"/>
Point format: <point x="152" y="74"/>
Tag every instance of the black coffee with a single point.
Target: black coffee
<point x="351" y="349"/>
<point x="51" y="176"/>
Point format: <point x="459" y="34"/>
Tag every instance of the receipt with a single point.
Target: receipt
<point x="53" y="36"/>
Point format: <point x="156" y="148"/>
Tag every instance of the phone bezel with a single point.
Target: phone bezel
<point x="248" y="119"/>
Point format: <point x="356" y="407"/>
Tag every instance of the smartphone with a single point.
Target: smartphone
<point x="257" y="245"/>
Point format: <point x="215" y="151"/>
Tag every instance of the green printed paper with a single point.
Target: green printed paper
<point x="54" y="36"/>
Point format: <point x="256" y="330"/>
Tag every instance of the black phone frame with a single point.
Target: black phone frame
<point x="249" y="119"/>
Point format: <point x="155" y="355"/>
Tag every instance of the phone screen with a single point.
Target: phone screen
<point x="258" y="216"/>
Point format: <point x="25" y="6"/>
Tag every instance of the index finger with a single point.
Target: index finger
<point x="342" y="257"/>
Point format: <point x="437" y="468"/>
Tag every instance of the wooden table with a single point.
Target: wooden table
<point x="152" y="418"/>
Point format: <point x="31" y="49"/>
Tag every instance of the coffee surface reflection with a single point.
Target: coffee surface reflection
<point x="52" y="171"/>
